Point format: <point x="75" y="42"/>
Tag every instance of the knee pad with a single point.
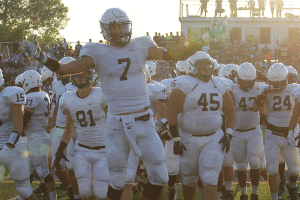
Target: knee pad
<point x="242" y="166"/>
<point x="210" y="178"/>
<point x="228" y="160"/>
<point x="254" y="163"/>
<point x="151" y="191"/>
<point x="49" y="178"/>
<point x="172" y="166"/>
<point x="23" y="188"/>
<point x="114" y="194"/>
<point x="294" y="171"/>
<point x="118" y="179"/>
<point x="84" y="187"/>
<point x="100" y="190"/>
<point x="130" y="176"/>
<point x="158" y="174"/>
<point x="272" y="169"/>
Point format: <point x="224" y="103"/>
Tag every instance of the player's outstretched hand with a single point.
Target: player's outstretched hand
<point x="32" y="50"/>
<point x="226" y="142"/>
<point x="178" y="147"/>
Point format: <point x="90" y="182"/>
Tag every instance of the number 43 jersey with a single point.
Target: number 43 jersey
<point x="40" y="102"/>
<point x="281" y="105"/>
<point x="245" y="117"/>
<point x="88" y="115"/>
<point x="121" y="73"/>
<point x="202" y="108"/>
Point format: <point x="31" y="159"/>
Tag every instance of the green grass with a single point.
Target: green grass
<point x="7" y="191"/>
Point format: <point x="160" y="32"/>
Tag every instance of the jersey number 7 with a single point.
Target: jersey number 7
<point x="128" y="62"/>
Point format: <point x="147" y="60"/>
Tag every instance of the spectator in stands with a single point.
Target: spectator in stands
<point x="203" y="7"/>
<point x="64" y="43"/>
<point x="156" y="38"/>
<point x="264" y="52"/>
<point x="251" y="5"/>
<point x="269" y="59"/>
<point x="233" y="8"/>
<point x="279" y="7"/>
<point x="182" y="39"/>
<point x="90" y="40"/>
<point x="272" y="6"/>
<point x="61" y="52"/>
<point x="78" y="48"/>
<point x="261" y="6"/>
<point x="147" y="34"/>
<point x="53" y="50"/>
<point x="219" y="8"/>
<point x="5" y="52"/>
<point x="15" y="46"/>
<point x="101" y="42"/>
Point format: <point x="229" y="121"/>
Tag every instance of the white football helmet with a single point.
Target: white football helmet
<point x="181" y="66"/>
<point x="1" y="78"/>
<point x="200" y="65"/>
<point x="150" y="68"/>
<point x="31" y="79"/>
<point x="67" y="78"/>
<point x="229" y="71"/>
<point x="116" y="27"/>
<point x="47" y="73"/>
<point x="292" y="74"/>
<point x="66" y="60"/>
<point x="246" y="76"/>
<point x="278" y="77"/>
<point x="19" y="80"/>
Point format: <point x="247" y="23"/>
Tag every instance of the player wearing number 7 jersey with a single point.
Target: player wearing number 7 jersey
<point x="279" y="99"/>
<point x="35" y="119"/>
<point x="195" y="109"/>
<point x="120" y="68"/>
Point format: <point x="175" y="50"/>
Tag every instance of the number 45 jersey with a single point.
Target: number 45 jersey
<point x="245" y="117"/>
<point x="202" y="109"/>
<point x="40" y="102"/>
<point x="88" y="115"/>
<point x="121" y="73"/>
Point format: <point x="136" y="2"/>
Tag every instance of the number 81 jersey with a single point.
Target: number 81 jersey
<point x="88" y="116"/>
<point x="202" y="109"/>
<point x="281" y="105"/>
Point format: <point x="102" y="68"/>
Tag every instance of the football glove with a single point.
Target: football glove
<point x="178" y="146"/>
<point x="33" y="50"/>
<point x="4" y="154"/>
<point x="60" y="155"/>
<point x="226" y="140"/>
<point x="161" y="126"/>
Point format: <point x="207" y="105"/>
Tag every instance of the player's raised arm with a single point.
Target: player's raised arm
<point x="34" y="51"/>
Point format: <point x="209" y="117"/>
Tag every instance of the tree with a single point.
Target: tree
<point x="22" y="18"/>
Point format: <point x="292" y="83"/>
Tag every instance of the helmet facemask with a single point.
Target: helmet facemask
<point x="118" y="33"/>
<point x="87" y="75"/>
<point x="204" y="69"/>
<point x="245" y="86"/>
<point x="279" y="86"/>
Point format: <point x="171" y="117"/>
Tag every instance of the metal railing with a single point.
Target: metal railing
<point x="191" y="8"/>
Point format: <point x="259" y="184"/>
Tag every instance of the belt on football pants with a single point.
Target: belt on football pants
<point x="60" y="127"/>
<point x="280" y="131"/>
<point x="204" y="135"/>
<point x="250" y="129"/>
<point x="91" y="148"/>
<point x="141" y="118"/>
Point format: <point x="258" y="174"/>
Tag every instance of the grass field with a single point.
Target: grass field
<point x="7" y="191"/>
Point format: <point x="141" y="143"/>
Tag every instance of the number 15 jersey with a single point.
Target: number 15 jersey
<point x="121" y="73"/>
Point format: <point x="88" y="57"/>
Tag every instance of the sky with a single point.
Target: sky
<point x="146" y="16"/>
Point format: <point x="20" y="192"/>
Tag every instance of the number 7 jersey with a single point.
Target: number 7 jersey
<point x="121" y="73"/>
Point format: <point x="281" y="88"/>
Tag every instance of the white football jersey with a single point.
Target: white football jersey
<point x="156" y="92"/>
<point x="167" y="83"/>
<point x="8" y="95"/>
<point x="52" y="97"/>
<point x="229" y="83"/>
<point x="40" y="102"/>
<point x="88" y="115"/>
<point x="245" y="117"/>
<point x="121" y="73"/>
<point x="202" y="108"/>
<point x="280" y="106"/>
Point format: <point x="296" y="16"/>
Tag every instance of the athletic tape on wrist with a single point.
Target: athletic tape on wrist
<point x="164" y="121"/>
<point x="175" y="139"/>
<point x="13" y="138"/>
<point x="229" y="131"/>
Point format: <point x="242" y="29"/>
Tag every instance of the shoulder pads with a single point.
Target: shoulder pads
<point x="222" y="84"/>
<point x="15" y="95"/>
<point x="184" y="83"/>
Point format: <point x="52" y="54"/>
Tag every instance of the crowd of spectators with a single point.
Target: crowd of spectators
<point x="168" y="39"/>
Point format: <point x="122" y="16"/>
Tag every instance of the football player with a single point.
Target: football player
<point x="195" y="110"/>
<point x="229" y="71"/>
<point x="85" y="111"/>
<point x="119" y="67"/>
<point x="280" y="104"/>
<point x="59" y="120"/>
<point x="35" y="119"/>
<point x="247" y="142"/>
<point x="293" y="75"/>
<point x="19" y="81"/>
<point x="13" y="152"/>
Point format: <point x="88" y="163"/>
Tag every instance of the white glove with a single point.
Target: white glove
<point x="33" y="50"/>
<point x="4" y="154"/>
<point x="291" y="138"/>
